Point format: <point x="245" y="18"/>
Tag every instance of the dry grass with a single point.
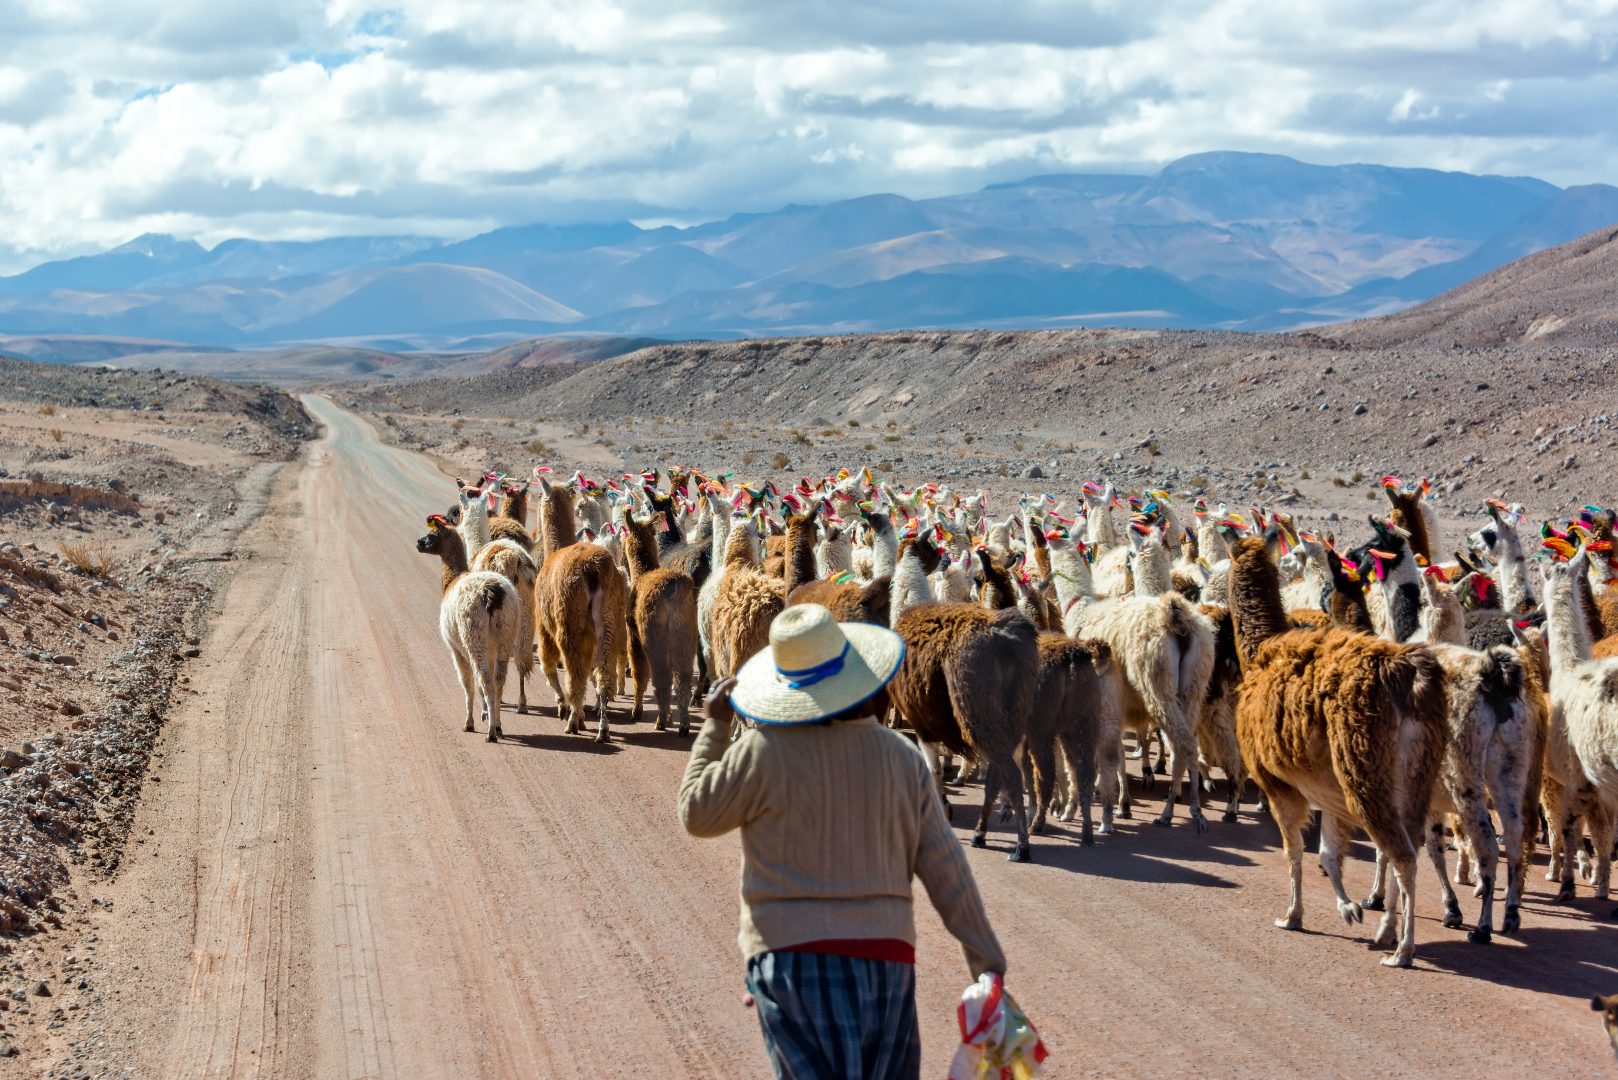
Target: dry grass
<point x="56" y="434"/>
<point x="47" y="410"/>
<point x="539" y="448"/>
<point x="780" y="461"/>
<point x="88" y="557"/>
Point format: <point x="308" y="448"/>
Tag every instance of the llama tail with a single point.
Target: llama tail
<point x="1503" y="681"/>
<point x="492" y="595"/>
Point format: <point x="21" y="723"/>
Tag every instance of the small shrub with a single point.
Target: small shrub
<point x="1338" y="481"/>
<point x="56" y="434"/>
<point x="457" y="424"/>
<point x="1001" y="470"/>
<point x="539" y="448"/>
<point x="88" y="557"/>
<point x="891" y="438"/>
<point x="1017" y="445"/>
<point x="870" y="446"/>
<point x="1153" y="449"/>
<point x="780" y="461"/>
<point x="1370" y="494"/>
<point x="799" y="437"/>
<point x="853" y="423"/>
<point x="1303" y="474"/>
<point x="969" y="438"/>
<point x="748" y="457"/>
<point x="47" y="410"/>
<point x="1357" y="477"/>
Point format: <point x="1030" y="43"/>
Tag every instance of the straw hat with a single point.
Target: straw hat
<point x="815" y="667"/>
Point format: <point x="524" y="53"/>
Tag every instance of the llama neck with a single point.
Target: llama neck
<point x="716" y="542"/>
<point x="452" y="556"/>
<point x="1401" y="588"/>
<point x="1070" y="572"/>
<point x="739" y="550"/>
<point x="1441" y="621"/>
<point x="833" y="556"/>
<point x="1255" y="599"/>
<point x="800" y="556"/>
<point x="557" y="528"/>
<point x="474" y="529"/>
<point x="1210" y="542"/>
<point x="1516" y="594"/>
<point x="515" y="507"/>
<point x="1569" y="633"/>
<point x="1153" y="575"/>
<point x="640" y="550"/>
<point x="1098" y="531"/>
<point x="909" y="588"/>
<point x="1316" y="577"/>
<point x="884" y="549"/>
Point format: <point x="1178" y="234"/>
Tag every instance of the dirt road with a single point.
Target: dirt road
<point x="336" y="881"/>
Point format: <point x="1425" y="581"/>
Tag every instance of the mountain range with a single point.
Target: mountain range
<point x="1216" y="240"/>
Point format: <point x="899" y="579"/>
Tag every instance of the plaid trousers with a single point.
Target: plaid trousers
<point x="836" y="1017"/>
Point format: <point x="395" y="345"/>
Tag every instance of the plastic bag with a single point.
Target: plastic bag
<point x="997" y="1041"/>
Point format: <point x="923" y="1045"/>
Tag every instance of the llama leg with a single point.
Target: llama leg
<point x="1435" y="852"/>
<point x="1184" y="752"/>
<point x="1564" y="829"/>
<point x="1509" y="805"/>
<point x="1109" y="765"/>
<point x="1334" y="835"/>
<point x="490" y="688"/>
<point x="1600" y="820"/>
<point x="1124" y="810"/>
<point x="1019" y="807"/>
<point x="1162" y="754"/>
<point x="682" y="702"/>
<point x="992" y="783"/>
<point x="1291" y="810"/>
<point x="463" y="668"/>
<point x="549" y="659"/>
<point x="602" y="697"/>
<point x="1477" y="835"/>
<point x="1041" y="778"/>
<point x="639" y="675"/>
<point x="1376" y="900"/>
<point x="1081" y="764"/>
<point x="932" y="753"/>
<point x="1404" y="872"/>
<point x="1238" y="779"/>
<point x="661" y="689"/>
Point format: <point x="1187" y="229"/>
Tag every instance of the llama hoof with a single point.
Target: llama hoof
<point x="1020" y="853"/>
<point x="1037" y="828"/>
<point x="1350" y="912"/>
<point x="522" y="710"/>
<point x="1147" y="781"/>
<point x="1480" y="935"/>
<point x="1513" y="920"/>
<point x="1162" y="822"/>
<point x="602" y="737"/>
<point x="1125" y="812"/>
<point x="1290" y="922"/>
<point x="1564" y="895"/>
<point x="494" y="735"/>
<point x="1228" y="817"/>
<point x="1372" y="903"/>
<point x="979" y="840"/>
<point x="1452" y="917"/>
<point x="685" y="731"/>
<point x="1200" y="822"/>
<point x="1088" y="840"/>
<point x="1397" y="960"/>
<point x="1160" y="769"/>
<point x="1477" y="891"/>
<point x="469" y="727"/>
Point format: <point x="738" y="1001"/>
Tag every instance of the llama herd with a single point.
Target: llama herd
<point x="1386" y="687"/>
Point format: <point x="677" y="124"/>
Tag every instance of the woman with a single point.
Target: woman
<point x="837" y="814"/>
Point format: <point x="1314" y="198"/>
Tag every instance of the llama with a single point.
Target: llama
<point x="1392" y="565"/>
<point x="720" y="520"/>
<point x="834" y="553"/>
<point x="1414" y="514"/>
<point x="662" y="627"/>
<point x="477" y="619"/>
<point x="510" y="522"/>
<point x="511" y="561"/>
<point x="1165" y="648"/>
<point x="1216" y="724"/>
<point x="746" y="602"/>
<point x="1075" y="588"/>
<point x="1076" y="708"/>
<point x="1500" y="542"/>
<point x="1346" y="722"/>
<point x="1584" y="720"/>
<point x="1309" y="592"/>
<point x="967" y="683"/>
<point x="581" y="620"/>
<point x="474" y="523"/>
<point x="1441" y="618"/>
<point x="916" y="561"/>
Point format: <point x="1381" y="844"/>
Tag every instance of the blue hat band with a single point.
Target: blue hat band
<point x="809" y="676"/>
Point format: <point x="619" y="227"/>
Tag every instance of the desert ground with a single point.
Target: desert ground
<point x="307" y="869"/>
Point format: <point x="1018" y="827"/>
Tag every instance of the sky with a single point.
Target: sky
<point x="294" y="119"/>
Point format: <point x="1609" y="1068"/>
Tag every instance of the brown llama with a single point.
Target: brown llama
<point x="967" y="683"/>
<point x="745" y="605"/>
<point x="1341" y="720"/>
<point x="847" y="599"/>
<point x="1076" y="707"/>
<point x="579" y="604"/>
<point x="511" y="522"/>
<point x="662" y="627"/>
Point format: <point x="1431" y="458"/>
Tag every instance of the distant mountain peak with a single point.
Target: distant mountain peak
<point x="158" y="245"/>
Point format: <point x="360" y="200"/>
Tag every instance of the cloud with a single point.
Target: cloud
<point x="215" y="118"/>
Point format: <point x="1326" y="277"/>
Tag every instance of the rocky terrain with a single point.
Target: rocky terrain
<point x="120" y="495"/>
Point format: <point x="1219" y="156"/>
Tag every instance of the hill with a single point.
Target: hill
<point x="1564" y="296"/>
<point x="1216" y="240"/>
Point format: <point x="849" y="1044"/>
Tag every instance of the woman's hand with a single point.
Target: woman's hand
<point x="718" y="707"/>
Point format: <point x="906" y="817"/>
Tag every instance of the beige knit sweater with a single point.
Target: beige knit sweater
<point x="836" y="819"/>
